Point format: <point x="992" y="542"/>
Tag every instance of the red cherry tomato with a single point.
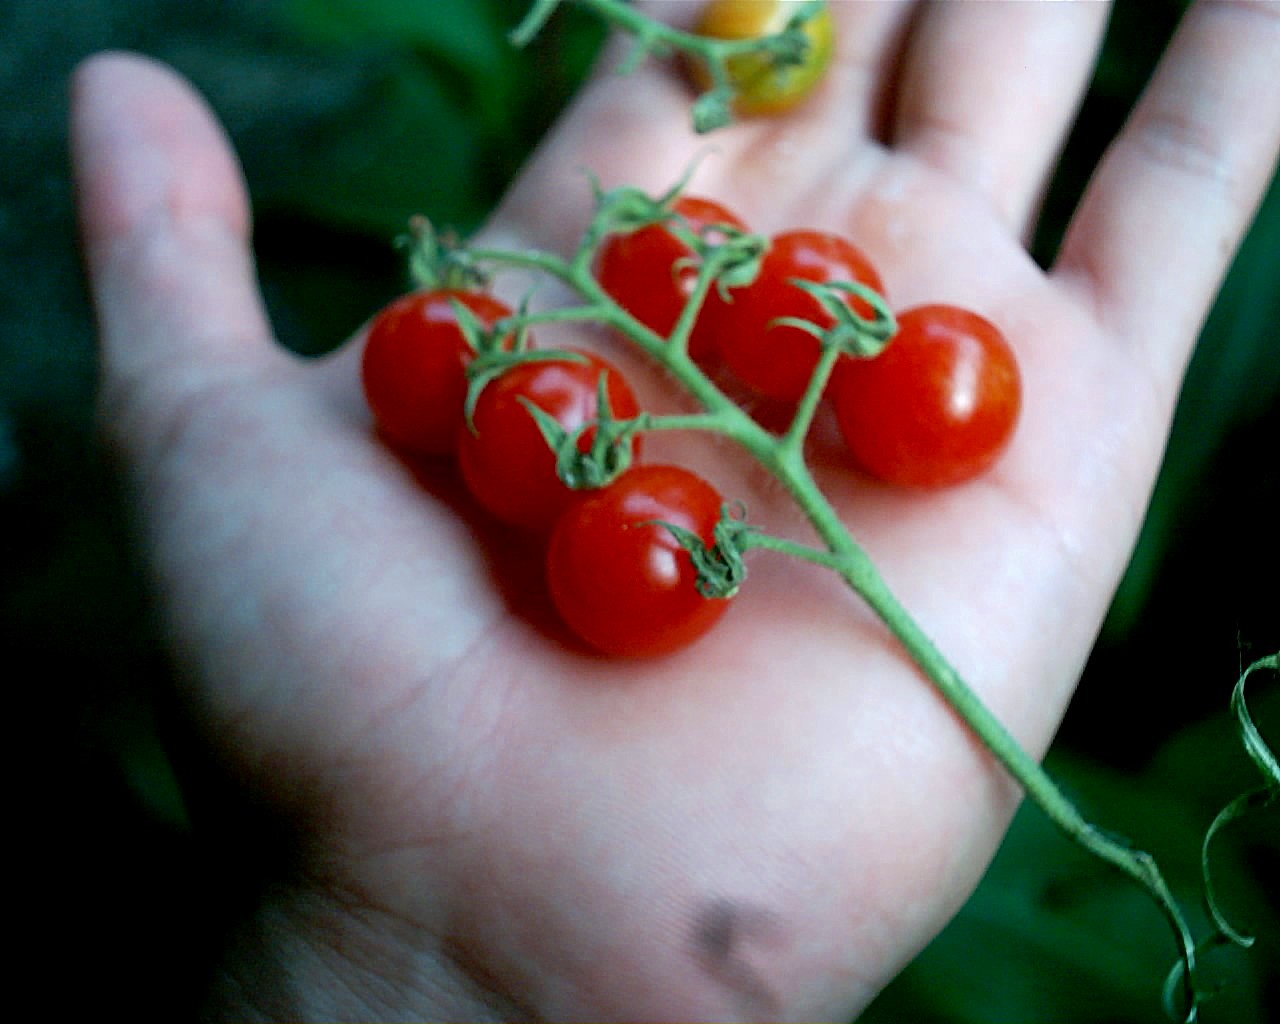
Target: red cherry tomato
<point x="643" y="272"/>
<point x="621" y="582"/>
<point x="937" y="406"/>
<point x="414" y="367"/>
<point x="506" y="462"/>
<point x="777" y="360"/>
<point x="761" y="88"/>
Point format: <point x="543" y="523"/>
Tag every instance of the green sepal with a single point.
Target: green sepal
<point x="479" y="338"/>
<point x="438" y="260"/>
<point x="789" y="47"/>
<point x="739" y="253"/>
<point x="610" y="453"/>
<point x="854" y="334"/>
<point x="713" y="109"/>
<point x="806" y="12"/>
<point x="743" y="268"/>
<point x="720" y="566"/>
<point x="627" y="209"/>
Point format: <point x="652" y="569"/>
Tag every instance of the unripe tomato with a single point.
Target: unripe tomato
<point x="762" y="88"/>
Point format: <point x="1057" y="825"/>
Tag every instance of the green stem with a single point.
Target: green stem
<point x="792" y="441"/>
<point x="678" y="342"/>
<point x="857" y="569"/>
<point x="782" y="546"/>
<point x="559" y="315"/>
<point x="576" y="275"/>
<point x="651" y="32"/>
<point x="698" y="421"/>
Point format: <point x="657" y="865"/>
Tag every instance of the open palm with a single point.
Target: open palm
<point x="492" y="822"/>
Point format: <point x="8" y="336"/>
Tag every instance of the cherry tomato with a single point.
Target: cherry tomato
<point x="622" y="582"/>
<point x="762" y="89"/>
<point x="414" y="367"/>
<point x="937" y="406"/>
<point x="643" y="273"/>
<point x="506" y="462"/>
<point x="777" y="360"/>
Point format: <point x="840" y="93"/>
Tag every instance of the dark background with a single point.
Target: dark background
<point x="350" y="115"/>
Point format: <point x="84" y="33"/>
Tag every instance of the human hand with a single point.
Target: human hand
<point x="492" y="823"/>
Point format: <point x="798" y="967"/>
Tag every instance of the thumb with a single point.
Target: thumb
<point x="165" y="228"/>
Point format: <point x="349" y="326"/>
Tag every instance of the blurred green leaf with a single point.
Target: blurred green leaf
<point x="469" y="34"/>
<point x="408" y="148"/>
<point x="450" y="112"/>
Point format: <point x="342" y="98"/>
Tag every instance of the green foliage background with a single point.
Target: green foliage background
<point x="349" y="116"/>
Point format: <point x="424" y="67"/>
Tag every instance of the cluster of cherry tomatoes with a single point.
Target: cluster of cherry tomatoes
<point x="934" y="408"/>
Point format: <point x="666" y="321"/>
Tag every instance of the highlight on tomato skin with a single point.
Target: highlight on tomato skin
<point x="762" y="89"/>
<point x="619" y="579"/>
<point x="643" y="271"/>
<point x="413" y="366"/>
<point x="775" y="360"/>
<point x="506" y="463"/>
<point x="938" y="406"/>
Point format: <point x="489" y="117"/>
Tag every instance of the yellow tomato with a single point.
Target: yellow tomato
<point x="762" y="88"/>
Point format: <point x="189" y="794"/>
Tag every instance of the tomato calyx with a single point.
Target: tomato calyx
<point x="713" y="109"/>
<point x="791" y="46"/>
<point x="622" y="210"/>
<point x="736" y="258"/>
<point x="439" y="261"/>
<point x="609" y="453"/>
<point x="852" y="333"/>
<point x="720" y="565"/>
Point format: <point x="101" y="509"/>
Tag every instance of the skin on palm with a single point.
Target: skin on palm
<point x="766" y="825"/>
